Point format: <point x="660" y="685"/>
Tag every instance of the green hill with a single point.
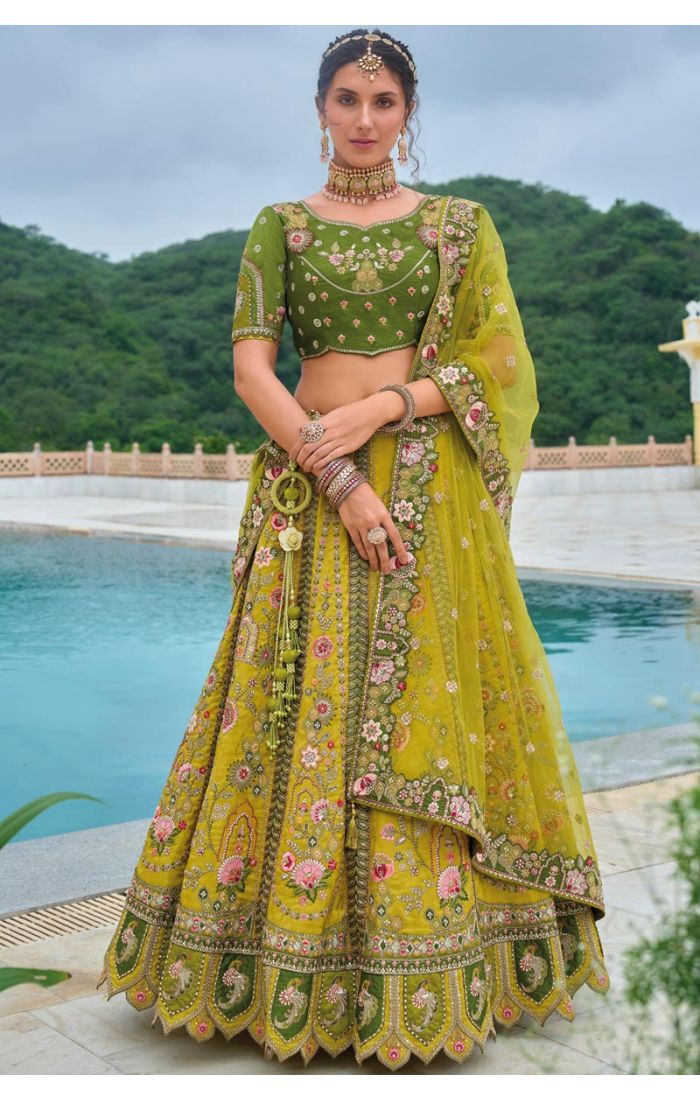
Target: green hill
<point x="139" y="350"/>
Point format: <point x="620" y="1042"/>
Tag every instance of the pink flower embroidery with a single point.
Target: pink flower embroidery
<point x="308" y="873"/>
<point x="309" y="757"/>
<point x="319" y="810"/>
<point x="230" y="871"/>
<point x="449" y="883"/>
<point x="381" y="671"/>
<point x="163" y="827"/>
<point x="575" y="882"/>
<point x="371" y="731"/>
<point x="429" y="353"/>
<point x="412" y="452"/>
<point x="475" y="414"/>
<point x="322" y="647"/>
<point x="459" y="809"/>
<point x="364" y="784"/>
<point x="382" y="868"/>
<point x="450" y="252"/>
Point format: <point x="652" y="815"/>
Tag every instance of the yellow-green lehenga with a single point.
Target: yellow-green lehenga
<point x="426" y="712"/>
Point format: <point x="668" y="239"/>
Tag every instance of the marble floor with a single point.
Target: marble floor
<point x="649" y="536"/>
<point x="71" y="1028"/>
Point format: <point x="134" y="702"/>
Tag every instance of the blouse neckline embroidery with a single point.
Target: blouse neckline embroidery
<point x="371" y="225"/>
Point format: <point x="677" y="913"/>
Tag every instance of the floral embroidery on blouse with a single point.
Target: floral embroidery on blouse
<point x="345" y="287"/>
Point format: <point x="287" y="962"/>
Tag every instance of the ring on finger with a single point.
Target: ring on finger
<point x="377" y="535"/>
<point x="372" y="555"/>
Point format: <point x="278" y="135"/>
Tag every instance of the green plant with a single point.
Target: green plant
<point x="663" y="969"/>
<point x="12" y="824"/>
<point x="11" y="976"/>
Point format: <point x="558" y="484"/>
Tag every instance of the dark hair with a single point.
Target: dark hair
<point x="353" y="50"/>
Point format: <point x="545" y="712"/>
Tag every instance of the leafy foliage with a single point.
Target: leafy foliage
<point x="139" y="350"/>
<point x="14" y="822"/>
<point x="10" y="976"/>
<point x="663" y="969"/>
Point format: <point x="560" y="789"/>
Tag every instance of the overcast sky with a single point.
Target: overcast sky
<point x="125" y="139"/>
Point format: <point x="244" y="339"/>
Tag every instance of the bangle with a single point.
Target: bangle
<point x="409" y="414"/>
<point x="340" y="478"/>
<point x="329" y="471"/>
<point x="358" y="478"/>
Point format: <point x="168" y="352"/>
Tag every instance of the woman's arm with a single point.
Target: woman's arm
<point x="258" y="387"/>
<point x="390" y="405"/>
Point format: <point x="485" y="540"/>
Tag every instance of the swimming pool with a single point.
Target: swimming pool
<point x="105" y="643"/>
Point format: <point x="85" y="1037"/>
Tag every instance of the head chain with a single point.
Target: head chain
<point x="370" y="62"/>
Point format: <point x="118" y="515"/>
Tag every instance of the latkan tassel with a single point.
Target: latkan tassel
<point x="286" y="650"/>
<point x="351" y="835"/>
<point x="284" y="687"/>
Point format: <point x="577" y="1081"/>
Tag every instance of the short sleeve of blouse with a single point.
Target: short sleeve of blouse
<point x="260" y="305"/>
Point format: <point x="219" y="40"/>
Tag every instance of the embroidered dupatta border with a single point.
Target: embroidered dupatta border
<point x="372" y="780"/>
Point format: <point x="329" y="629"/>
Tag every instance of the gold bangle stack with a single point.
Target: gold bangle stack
<point x="343" y="483"/>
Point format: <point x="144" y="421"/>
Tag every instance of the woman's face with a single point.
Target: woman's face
<point x="357" y="107"/>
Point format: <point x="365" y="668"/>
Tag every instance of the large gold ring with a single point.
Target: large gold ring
<point x="312" y="431"/>
<point x="376" y="535"/>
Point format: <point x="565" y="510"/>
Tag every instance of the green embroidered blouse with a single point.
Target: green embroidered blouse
<point x="344" y="287"/>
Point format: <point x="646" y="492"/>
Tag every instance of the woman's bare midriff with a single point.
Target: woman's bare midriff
<point x="339" y="377"/>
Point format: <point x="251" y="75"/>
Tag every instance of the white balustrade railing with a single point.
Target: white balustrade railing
<point x="232" y="466"/>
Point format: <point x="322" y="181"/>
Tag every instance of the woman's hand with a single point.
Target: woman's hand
<point x="346" y="429"/>
<point x="361" y="510"/>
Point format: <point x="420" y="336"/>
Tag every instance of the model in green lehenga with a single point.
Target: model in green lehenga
<point x="414" y="863"/>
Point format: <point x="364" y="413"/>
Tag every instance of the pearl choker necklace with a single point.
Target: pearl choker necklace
<point x="359" y="185"/>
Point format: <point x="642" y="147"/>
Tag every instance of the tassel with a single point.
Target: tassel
<point x="287" y="651"/>
<point x="351" y="837"/>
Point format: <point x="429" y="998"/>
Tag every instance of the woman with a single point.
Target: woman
<point x="373" y="834"/>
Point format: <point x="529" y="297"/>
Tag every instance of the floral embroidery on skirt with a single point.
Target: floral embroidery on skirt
<point x="473" y="891"/>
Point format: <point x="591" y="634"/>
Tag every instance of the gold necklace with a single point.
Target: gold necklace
<point x="359" y="185"/>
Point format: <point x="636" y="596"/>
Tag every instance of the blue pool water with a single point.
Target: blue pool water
<point x="105" y="644"/>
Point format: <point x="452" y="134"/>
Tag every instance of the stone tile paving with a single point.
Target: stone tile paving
<point x="650" y="535"/>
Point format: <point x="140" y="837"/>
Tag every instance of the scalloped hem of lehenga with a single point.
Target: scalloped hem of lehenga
<point x="395" y="1049"/>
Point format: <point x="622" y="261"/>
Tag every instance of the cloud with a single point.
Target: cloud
<point x="122" y="139"/>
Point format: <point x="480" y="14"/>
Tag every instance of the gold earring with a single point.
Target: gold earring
<point x="403" y="148"/>
<point x="325" y="153"/>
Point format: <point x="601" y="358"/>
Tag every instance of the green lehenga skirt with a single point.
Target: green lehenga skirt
<point x="425" y="711"/>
